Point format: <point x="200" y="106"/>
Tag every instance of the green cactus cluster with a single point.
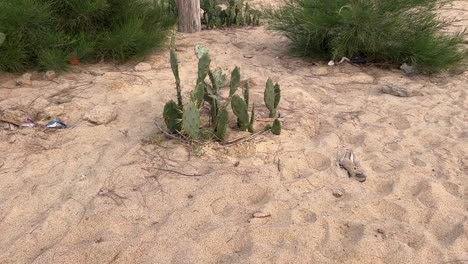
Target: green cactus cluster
<point x="218" y="14"/>
<point x="185" y="119"/>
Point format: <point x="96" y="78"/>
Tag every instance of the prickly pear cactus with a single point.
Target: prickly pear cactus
<point x="235" y="80"/>
<point x="252" y="119"/>
<point x="172" y="116"/>
<point x="203" y="67"/>
<point x="200" y="50"/>
<point x="272" y="97"/>
<point x="247" y="92"/>
<point x="218" y="79"/>
<point x="276" y="128"/>
<point x="277" y="95"/>
<point x="191" y="120"/>
<point x="2" y="38"/>
<point x="222" y="121"/>
<point x="175" y="70"/>
<point x="198" y="94"/>
<point x="240" y="110"/>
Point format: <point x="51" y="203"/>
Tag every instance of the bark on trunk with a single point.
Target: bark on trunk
<point x="189" y="16"/>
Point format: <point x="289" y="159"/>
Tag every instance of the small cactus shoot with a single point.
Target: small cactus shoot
<point x="172" y="116"/>
<point x="276" y="128"/>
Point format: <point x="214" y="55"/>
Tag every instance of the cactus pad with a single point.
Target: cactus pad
<point x="197" y="95"/>
<point x="240" y="110"/>
<point x="218" y="79"/>
<point x="276" y="128"/>
<point x="203" y="67"/>
<point x="191" y="120"/>
<point x="200" y="50"/>
<point x="235" y="80"/>
<point x="272" y="97"/>
<point x="172" y="116"/>
<point x="222" y="121"/>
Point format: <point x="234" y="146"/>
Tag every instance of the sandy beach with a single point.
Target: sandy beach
<point x="111" y="188"/>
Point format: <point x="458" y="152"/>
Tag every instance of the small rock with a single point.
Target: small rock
<point x="143" y="66"/>
<point x="101" y="115"/>
<point x="260" y="215"/>
<point x="338" y="193"/>
<point x="382" y="233"/>
<point x="25" y="79"/>
<point x="331" y="63"/>
<point x="399" y="91"/>
<point x="407" y="68"/>
<point x="50" y="75"/>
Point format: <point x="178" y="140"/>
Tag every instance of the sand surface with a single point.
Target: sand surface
<point x="114" y="192"/>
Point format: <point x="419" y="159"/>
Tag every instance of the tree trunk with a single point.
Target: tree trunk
<point x="189" y="16"/>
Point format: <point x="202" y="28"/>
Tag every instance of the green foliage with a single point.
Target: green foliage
<point x="396" y="32"/>
<point x="2" y="38"/>
<point x="272" y="96"/>
<point x="276" y="127"/>
<point x="53" y="59"/>
<point x="47" y="33"/>
<point x="219" y="14"/>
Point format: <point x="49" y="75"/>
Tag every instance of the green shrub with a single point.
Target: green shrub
<point x="48" y="33"/>
<point x="396" y="31"/>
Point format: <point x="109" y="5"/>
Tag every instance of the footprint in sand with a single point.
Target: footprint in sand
<point x="423" y="193"/>
<point x="400" y="122"/>
<point x="304" y="216"/>
<point x="318" y="161"/>
<point x="388" y="209"/>
<point x="448" y="228"/>
<point x="463" y="163"/>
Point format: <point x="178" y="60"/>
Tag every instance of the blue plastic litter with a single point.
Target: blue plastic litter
<point x="56" y="124"/>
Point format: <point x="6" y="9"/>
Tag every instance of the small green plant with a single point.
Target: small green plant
<point x="186" y="120"/>
<point x="218" y="14"/>
<point x="383" y="31"/>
